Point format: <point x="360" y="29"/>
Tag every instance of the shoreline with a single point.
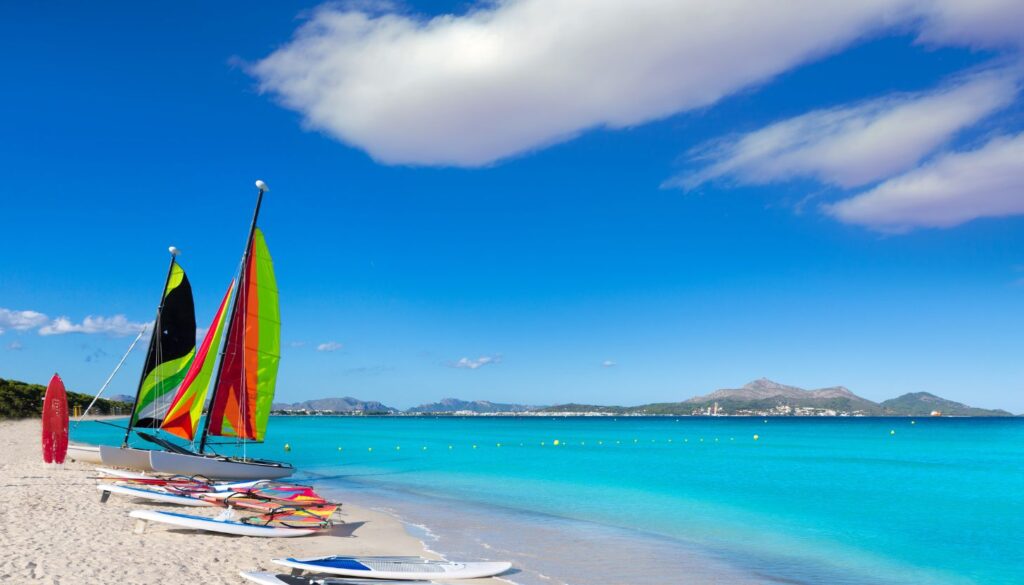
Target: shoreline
<point x="65" y="536"/>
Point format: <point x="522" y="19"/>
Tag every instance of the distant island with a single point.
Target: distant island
<point x="761" y="397"/>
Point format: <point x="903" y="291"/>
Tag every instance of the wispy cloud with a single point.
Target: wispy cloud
<point x="118" y="325"/>
<point x="15" y="346"/>
<point x="854" y="145"/>
<point x="955" y="188"/>
<point x="296" y="344"/>
<point x="20" y="320"/>
<point x="329" y="346"/>
<point x="466" y="363"/>
<point x="516" y="75"/>
<point x="608" y="364"/>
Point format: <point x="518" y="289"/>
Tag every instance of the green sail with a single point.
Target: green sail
<point x="171" y="351"/>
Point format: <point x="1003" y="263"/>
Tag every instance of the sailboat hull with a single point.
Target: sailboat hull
<point x="216" y="467"/>
<point x="84" y="453"/>
<point x="125" y="457"/>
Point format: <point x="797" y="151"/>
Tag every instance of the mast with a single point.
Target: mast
<point x="262" y="187"/>
<point x="153" y="339"/>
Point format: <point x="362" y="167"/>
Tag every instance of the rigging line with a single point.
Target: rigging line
<point x="142" y="330"/>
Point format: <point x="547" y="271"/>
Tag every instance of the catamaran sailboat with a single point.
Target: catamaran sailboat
<point x="248" y="323"/>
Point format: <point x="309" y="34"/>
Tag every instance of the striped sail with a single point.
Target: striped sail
<point x="248" y="374"/>
<point x="183" y="415"/>
<point x="171" y="350"/>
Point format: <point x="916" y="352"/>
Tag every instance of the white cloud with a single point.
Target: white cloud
<point x="329" y="346"/>
<point x="473" y="364"/>
<point x="118" y="325"/>
<point x="20" y="320"/>
<point x="976" y="23"/>
<point x="517" y="75"/>
<point x="296" y="344"/>
<point x="854" y="145"/>
<point x="608" y="364"/>
<point x="954" y="188"/>
<point x="15" y="346"/>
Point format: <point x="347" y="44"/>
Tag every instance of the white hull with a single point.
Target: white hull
<point x="215" y="467"/>
<point x="214" y="525"/>
<point x="84" y="453"/>
<point x="277" y="579"/>
<point x="405" y="569"/>
<point x="125" y="457"/>
<point x="153" y="495"/>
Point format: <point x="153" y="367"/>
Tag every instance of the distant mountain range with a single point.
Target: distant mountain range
<point x="345" y="404"/>
<point x="478" y="406"/>
<point x="764" y="396"/>
<point x="760" y="397"/>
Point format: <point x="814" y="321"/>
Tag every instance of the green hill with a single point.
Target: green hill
<point x="23" y="400"/>
<point x="923" y="403"/>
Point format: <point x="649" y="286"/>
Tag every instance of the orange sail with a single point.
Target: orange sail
<point x="248" y="375"/>
<point x="183" y="416"/>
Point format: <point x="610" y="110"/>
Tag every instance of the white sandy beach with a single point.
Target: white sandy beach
<point x="53" y="529"/>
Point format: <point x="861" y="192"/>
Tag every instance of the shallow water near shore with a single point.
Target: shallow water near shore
<point x="645" y="500"/>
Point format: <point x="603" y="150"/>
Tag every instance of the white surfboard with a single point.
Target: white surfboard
<point x="402" y="568"/>
<point x="222" y="525"/>
<point x="282" y="579"/>
<point x="151" y="494"/>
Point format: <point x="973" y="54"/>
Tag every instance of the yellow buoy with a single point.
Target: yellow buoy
<point x="369" y="448"/>
<point x="474" y="446"/>
<point x="555" y="442"/>
<point x="398" y="448"/>
<point x="756" y="437"/>
<point x="287" y="447"/>
<point x="449" y="446"/>
<point x="892" y="432"/>
<point x="499" y="444"/>
<point x="424" y="448"/>
<point x="913" y="422"/>
<point x="340" y="449"/>
<point x="600" y="442"/>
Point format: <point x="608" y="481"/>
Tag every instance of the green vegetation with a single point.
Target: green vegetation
<point x="22" y="400"/>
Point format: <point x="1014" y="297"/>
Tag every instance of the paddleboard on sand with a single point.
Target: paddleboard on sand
<point x="55" y="422"/>
<point x="222" y="525"/>
<point x="281" y="579"/>
<point x="152" y="495"/>
<point x="403" y="568"/>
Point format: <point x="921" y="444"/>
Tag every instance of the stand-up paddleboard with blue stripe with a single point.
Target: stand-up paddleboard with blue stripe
<point x="148" y="494"/>
<point x="281" y="579"/>
<point x="401" y="568"/>
<point x="222" y="525"/>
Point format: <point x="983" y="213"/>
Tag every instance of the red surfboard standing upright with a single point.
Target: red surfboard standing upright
<point x="55" y="422"/>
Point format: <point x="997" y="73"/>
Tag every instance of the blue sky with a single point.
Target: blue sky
<point x="528" y="201"/>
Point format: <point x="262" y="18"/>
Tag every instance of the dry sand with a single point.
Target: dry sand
<point x="54" y="530"/>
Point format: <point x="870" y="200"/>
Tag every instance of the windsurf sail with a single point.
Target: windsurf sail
<point x="187" y="406"/>
<point x="172" y="347"/>
<point x="245" y="384"/>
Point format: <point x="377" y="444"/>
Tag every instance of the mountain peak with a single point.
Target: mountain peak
<point x="765" y="384"/>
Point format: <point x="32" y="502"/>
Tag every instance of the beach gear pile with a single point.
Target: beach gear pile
<point x="266" y="508"/>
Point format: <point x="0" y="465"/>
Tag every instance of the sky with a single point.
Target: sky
<point x="532" y="201"/>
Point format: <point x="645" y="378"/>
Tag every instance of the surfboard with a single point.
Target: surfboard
<point x="224" y="526"/>
<point x="152" y="495"/>
<point x="55" y="421"/>
<point x="402" y="568"/>
<point x="282" y="579"/>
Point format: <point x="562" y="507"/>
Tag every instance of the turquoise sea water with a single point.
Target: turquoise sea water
<point x="685" y="500"/>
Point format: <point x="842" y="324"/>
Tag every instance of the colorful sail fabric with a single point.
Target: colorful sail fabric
<point x="186" y="408"/>
<point x="248" y="374"/>
<point x="171" y="350"/>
